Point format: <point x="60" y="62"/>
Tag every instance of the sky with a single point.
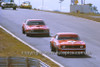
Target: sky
<point x="55" y="5"/>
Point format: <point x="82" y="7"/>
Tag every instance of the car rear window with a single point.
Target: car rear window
<point x="68" y="38"/>
<point x="35" y="23"/>
<point x="8" y="0"/>
<point x="26" y="2"/>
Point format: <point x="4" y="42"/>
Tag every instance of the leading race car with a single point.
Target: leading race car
<point x="68" y="44"/>
<point x="0" y="2"/>
<point x="8" y="4"/>
<point x="35" y="27"/>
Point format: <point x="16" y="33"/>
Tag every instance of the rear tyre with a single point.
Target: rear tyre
<point x="58" y="53"/>
<point x="14" y="8"/>
<point x="84" y="53"/>
<point x="52" y="48"/>
<point x="48" y="34"/>
<point x="2" y="7"/>
<point x="30" y="7"/>
<point x="23" y="31"/>
<point x="27" y="34"/>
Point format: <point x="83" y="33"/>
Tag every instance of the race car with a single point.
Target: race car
<point x="35" y="27"/>
<point x="67" y="43"/>
<point x="8" y="4"/>
<point x="0" y="2"/>
<point x="26" y="4"/>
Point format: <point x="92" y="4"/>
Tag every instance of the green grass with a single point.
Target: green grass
<point x="11" y="47"/>
<point x="86" y="16"/>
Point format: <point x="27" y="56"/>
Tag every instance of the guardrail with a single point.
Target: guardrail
<point x="42" y="64"/>
<point x="21" y="62"/>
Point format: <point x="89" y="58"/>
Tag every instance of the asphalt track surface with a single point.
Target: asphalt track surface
<point x="88" y="30"/>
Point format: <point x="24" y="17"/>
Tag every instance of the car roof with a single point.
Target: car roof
<point x="67" y="34"/>
<point x="34" y="20"/>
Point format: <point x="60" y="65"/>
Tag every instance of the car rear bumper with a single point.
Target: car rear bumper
<point x="73" y="51"/>
<point x="25" y="6"/>
<point x="9" y="6"/>
<point x="39" y="33"/>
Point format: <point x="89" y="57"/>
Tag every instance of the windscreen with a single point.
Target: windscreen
<point x="35" y="23"/>
<point x="26" y="2"/>
<point x="8" y="0"/>
<point x="68" y="38"/>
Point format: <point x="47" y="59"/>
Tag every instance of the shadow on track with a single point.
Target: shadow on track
<point x="39" y="36"/>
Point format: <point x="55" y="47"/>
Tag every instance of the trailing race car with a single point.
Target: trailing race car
<point x="26" y="4"/>
<point x="35" y="27"/>
<point x="68" y="44"/>
<point x="8" y="4"/>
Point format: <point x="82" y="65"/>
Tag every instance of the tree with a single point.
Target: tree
<point x="11" y="0"/>
<point x="90" y="4"/>
<point x="95" y="8"/>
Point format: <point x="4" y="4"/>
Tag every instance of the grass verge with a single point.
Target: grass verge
<point x="11" y="47"/>
<point x="86" y="16"/>
<point x="82" y="15"/>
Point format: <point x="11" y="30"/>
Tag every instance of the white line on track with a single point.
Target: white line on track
<point x="60" y="65"/>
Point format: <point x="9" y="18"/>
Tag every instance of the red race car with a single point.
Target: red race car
<point x="35" y="27"/>
<point x="68" y="44"/>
